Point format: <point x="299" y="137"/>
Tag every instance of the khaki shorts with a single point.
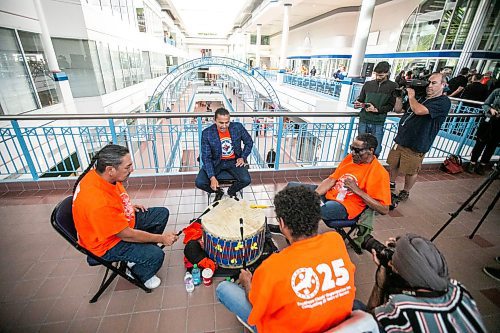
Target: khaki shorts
<point x="406" y="160"/>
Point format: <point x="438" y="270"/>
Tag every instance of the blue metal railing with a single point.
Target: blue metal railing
<point x="171" y="144"/>
<point x="320" y="85"/>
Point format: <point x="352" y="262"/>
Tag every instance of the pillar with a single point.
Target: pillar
<point x="361" y="38"/>
<point x="473" y="37"/>
<point x="257" y="46"/>
<point x="284" y="36"/>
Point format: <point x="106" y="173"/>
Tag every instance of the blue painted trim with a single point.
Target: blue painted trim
<point x="61" y="76"/>
<point x="278" y="144"/>
<point x="396" y="55"/>
<point x="485" y="55"/>
<point x="24" y="148"/>
<point x="113" y="131"/>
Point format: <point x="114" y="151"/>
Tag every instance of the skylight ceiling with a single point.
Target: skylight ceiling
<point x="204" y="18"/>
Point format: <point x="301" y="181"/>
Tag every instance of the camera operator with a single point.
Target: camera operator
<point x="413" y="292"/>
<point x="417" y="129"/>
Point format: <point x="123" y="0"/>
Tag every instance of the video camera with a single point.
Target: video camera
<point x="384" y="253"/>
<point x="418" y="85"/>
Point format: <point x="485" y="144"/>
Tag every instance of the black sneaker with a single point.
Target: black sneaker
<point x="492" y="272"/>
<point x="403" y="195"/>
<point x="470" y="167"/>
<point x="392" y="186"/>
<point x="479" y="169"/>
<point x="219" y="194"/>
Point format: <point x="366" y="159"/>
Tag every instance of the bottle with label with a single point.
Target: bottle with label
<point x="188" y="282"/>
<point x="342" y="193"/>
<point x="196" y="275"/>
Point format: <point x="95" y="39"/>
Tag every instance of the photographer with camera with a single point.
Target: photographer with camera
<point x="413" y="292"/>
<point x="376" y="99"/>
<point x="417" y="129"/>
<point x="487" y="135"/>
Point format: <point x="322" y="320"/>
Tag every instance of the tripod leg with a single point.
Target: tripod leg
<point x="470" y="207"/>
<point x="490" y="207"/>
<point x="455" y="214"/>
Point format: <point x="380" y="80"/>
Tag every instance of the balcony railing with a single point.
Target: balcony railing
<point x="41" y="146"/>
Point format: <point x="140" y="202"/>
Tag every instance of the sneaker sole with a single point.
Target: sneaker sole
<point x="490" y="275"/>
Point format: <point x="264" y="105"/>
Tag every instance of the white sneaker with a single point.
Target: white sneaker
<point x="153" y="282"/>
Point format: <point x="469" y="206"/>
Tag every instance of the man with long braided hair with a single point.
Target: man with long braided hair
<point x="110" y="226"/>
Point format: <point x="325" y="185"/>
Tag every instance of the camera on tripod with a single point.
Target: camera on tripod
<point x="418" y="85"/>
<point x="384" y="253"/>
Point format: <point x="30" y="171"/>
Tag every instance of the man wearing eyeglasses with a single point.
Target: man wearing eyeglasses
<point x="376" y="99"/>
<point x="417" y="130"/>
<point x="359" y="182"/>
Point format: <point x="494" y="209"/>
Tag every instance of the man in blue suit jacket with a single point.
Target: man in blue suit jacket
<point x="221" y="151"/>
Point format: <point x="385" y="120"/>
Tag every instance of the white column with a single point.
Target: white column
<point x="46" y="41"/>
<point x="284" y="35"/>
<point x="257" y="46"/>
<point x="361" y="38"/>
<point x="473" y="36"/>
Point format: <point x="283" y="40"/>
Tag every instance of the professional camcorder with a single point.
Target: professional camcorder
<point x="384" y="253"/>
<point x="417" y="85"/>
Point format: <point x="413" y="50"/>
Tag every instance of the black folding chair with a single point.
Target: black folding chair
<point x="62" y="221"/>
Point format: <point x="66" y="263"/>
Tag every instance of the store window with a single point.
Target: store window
<point x="17" y="93"/>
<point x="106" y="67"/>
<point x="438" y="25"/>
<point x="42" y="77"/>
<point x="490" y="33"/>
<point x="78" y="58"/>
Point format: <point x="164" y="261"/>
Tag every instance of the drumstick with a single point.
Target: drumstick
<point x="243" y="244"/>
<point x="260" y="206"/>
<point x="199" y="217"/>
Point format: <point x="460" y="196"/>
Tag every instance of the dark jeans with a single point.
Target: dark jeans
<point x="331" y="210"/>
<point x="375" y="130"/>
<point x="241" y="175"/>
<point x="488" y="138"/>
<point x="147" y="257"/>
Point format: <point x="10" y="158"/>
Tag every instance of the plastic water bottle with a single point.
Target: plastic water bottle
<point x="342" y="193"/>
<point x="196" y="275"/>
<point x="188" y="282"/>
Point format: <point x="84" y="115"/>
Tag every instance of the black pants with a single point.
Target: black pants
<point x="488" y="138"/>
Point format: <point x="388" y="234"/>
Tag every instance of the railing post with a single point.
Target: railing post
<point x="24" y="148"/>
<point x="278" y="144"/>
<point x="200" y="130"/>
<point x="465" y="136"/>
<point x="113" y="131"/>
<point x="348" y="139"/>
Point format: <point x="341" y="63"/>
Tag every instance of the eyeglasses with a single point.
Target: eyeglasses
<point x="357" y="150"/>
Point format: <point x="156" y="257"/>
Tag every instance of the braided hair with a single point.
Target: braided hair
<point x="109" y="155"/>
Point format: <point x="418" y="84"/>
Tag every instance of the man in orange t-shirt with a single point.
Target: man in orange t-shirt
<point x="359" y="181"/>
<point x="107" y="223"/>
<point x="307" y="287"/>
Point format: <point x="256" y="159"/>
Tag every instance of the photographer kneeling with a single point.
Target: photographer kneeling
<point x="413" y="292"/>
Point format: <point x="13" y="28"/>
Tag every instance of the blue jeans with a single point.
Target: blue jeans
<point x="147" y="257"/>
<point x="241" y="175"/>
<point x="233" y="297"/>
<point x="331" y="210"/>
<point x="375" y="130"/>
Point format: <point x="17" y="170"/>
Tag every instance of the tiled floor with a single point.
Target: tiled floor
<point x="45" y="284"/>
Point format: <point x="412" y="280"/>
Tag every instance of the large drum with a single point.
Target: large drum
<point x="222" y="235"/>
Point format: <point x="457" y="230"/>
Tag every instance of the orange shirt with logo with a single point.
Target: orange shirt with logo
<point x="372" y="178"/>
<point x="307" y="287"/>
<point x="100" y="211"/>
<point x="226" y="145"/>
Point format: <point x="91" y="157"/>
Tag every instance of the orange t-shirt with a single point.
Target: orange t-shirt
<point x="100" y="211"/>
<point x="372" y="178"/>
<point x="307" y="287"/>
<point x="226" y="145"/>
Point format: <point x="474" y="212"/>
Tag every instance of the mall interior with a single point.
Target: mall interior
<point x="76" y="75"/>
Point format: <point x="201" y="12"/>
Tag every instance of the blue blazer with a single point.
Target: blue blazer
<point x="211" y="149"/>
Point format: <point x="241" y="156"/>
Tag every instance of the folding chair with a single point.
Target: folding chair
<point x="62" y="221"/>
<point x="225" y="179"/>
<point x="339" y="226"/>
